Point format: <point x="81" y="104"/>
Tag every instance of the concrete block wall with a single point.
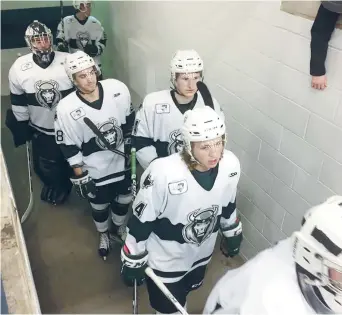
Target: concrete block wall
<point x="287" y="136"/>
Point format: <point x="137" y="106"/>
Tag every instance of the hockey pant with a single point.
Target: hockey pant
<point x="180" y="290"/>
<point x="51" y="167"/>
<point x="114" y="198"/>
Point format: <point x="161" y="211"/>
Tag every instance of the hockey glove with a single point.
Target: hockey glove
<point x="21" y="131"/>
<point x="231" y="240"/>
<point x="55" y="195"/>
<point x="84" y="185"/>
<point x="91" y="50"/>
<point x="133" y="267"/>
<point x="63" y="47"/>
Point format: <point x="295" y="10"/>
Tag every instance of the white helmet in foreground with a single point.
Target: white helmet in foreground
<point x="185" y="61"/>
<point x="77" y="62"/>
<point x="318" y="250"/>
<point x="201" y="124"/>
<point x="77" y="3"/>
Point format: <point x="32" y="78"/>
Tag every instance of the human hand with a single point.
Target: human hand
<point x="319" y="82"/>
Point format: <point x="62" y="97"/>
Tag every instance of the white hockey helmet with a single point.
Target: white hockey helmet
<point x="185" y="61"/>
<point x="317" y="247"/>
<point x="77" y="62"/>
<point x="77" y="3"/>
<point x="201" y="124"/>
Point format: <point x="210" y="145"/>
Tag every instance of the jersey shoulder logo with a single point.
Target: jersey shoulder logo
<point x="77" y="113"/>
<point x="201" y="225"/>
<point x="111" y="132"/>
<point x="26" y="66"/>
<point x="178" y="188"/>
<point x="162" y="108"/>
<point x="148" y="182"/>
<point x="176" y="142"/>
<point x="82" y="39"/>
<point x="47" y="93"/>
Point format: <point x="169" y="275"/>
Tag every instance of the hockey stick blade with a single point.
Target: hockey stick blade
<point x="98" y="133"/>
<point x="165" y="290"/>
<point x="203" y="89"/>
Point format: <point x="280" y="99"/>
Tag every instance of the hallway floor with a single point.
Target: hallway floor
<point x="62" y="243"/>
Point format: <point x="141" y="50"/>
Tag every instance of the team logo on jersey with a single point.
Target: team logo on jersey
<point x="26" y="66"/>
<point x="111" y="132"/>
<point x="82" y="39"/>
<point x="177" y="188"/>
<point x="201" y="225"/>
<point x="47" y="93"/>
<point x="176" y="142"/>
<point x="148" y="182"/>
<point x="162" y="108"/>
<point x="77" y="113"/>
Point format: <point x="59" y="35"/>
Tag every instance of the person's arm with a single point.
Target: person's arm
<point x="17" y="118"/>
<point x="142" y="136"/>
<point x="230" y="224"/>
<point x="321" y="32"/>
<point x="147" y="206"/>
<point x="70" y="144"/>
<point x="228" y="293"/>
<point x="61" y="42"/>
<point x="129" y="116"/>
<point x="97" y="46"/>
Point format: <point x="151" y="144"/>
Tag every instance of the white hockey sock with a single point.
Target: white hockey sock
<point x="118" y="220"/>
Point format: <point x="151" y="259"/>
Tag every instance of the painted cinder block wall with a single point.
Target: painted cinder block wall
<point x="287" y="136"/>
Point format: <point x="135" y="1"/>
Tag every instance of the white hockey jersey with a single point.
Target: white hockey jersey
<point x="35" y="91"/>
<point x="176" y="220"/>
<point x="78" y="142"/>
<point x="77" y="34"/>
<point x="265" y="285"/>
<point x="156" y="131"/>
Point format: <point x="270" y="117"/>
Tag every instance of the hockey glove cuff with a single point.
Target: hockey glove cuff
<point x="133" y="267"/>
<point x="231" y="240"/>
<point x="91" y="50"/>
<point x="84" y="185"/>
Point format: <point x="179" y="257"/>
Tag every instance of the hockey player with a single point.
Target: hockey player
<point x="299" y="275"/>
<point x="82" y="31"/>
<point x="183" y="202"/>
<point x="37" y="83"/>
<point x="98" y="161"/>
<point x="156" y="131"/>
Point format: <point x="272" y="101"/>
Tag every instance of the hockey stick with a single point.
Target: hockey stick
<point x="30" y="205"/>
<point x="62" y="18"/>
<point x="203" y="89"/>
<point x="134" y="193"/>
<point x="165" y="290"/>
<point x="98" y="133"/>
